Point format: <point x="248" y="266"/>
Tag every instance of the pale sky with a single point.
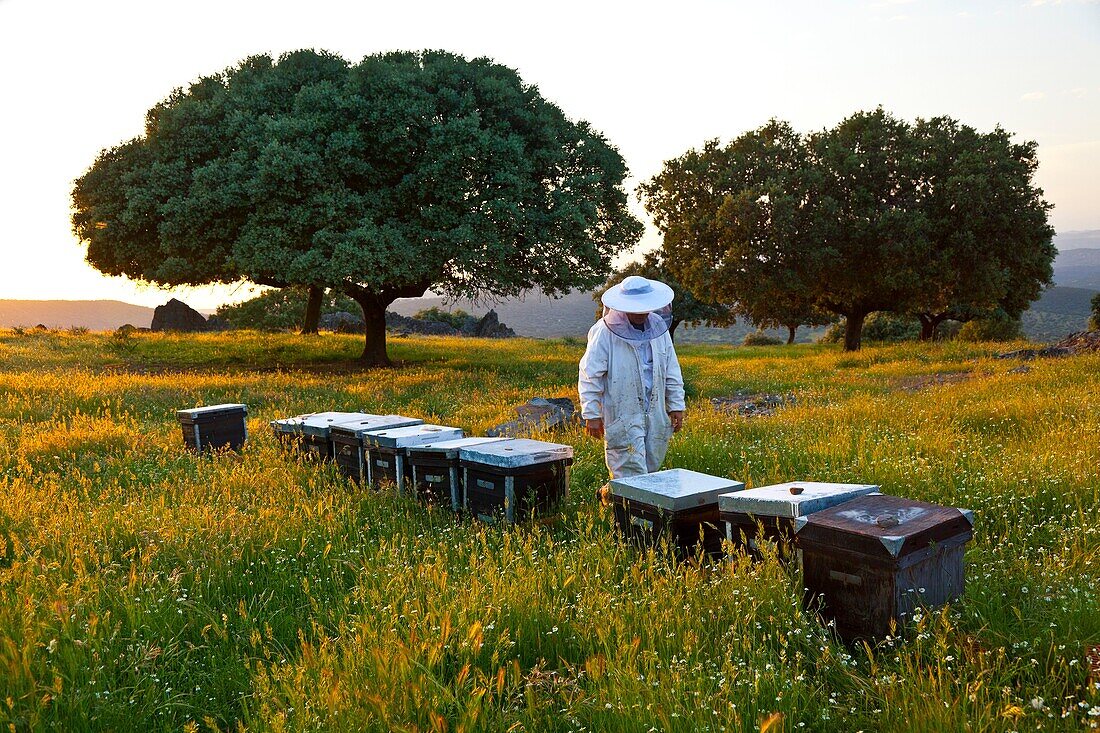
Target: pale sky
<point x="656" y="78"/>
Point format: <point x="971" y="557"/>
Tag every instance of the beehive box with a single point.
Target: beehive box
<point x="216" y="426"/>
<point x="514" y="479"/>
<point x="872" y="561"/>
<point x="386" y="450"/>
<point x="434" y="470"/>
<point x="349" y="449"/>
<point x="310" y="432"/>
<point x="679" y="504"/>
<point x="774" y="509"/>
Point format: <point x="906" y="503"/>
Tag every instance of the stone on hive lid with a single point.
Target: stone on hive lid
<point x="364" y="424"/>
<point x="675" y="489"/>
<point x="196" y="412"/>
<point x="403" y="436"/>
<point x="451" y="448"/>
<point x="779" y="501"/>
<point x="516" y="453"/>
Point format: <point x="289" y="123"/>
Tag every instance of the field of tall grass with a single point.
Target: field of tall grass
<point x="146" y="588"/>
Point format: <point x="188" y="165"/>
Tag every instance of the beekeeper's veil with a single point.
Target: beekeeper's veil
<point x="638" y="295"/>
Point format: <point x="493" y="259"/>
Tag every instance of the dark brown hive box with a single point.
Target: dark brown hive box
<point x="216" y="426"/>
<point x="514" y="479"/>
<point x="676" y="503"/>
<point x="876" y="559"/>
<point x="774" y="508"/>
<point x="310" y="432"/>
<point x="435" y="472"/>
<point x="349" y="448"/>
<point x="386" y="450"/>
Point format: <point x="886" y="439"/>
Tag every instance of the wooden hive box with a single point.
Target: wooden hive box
<point x="386" y="450"/>
<point x="349" y="448"/>
<point x="216" y="426"/>
<point x="435" y="473"/>
<point x="514" y="479"/>
<point x="774" y="508"/>
<point x="310" y="432"/>
<point x="873" y="560"/>
<point x="677" y="503"/>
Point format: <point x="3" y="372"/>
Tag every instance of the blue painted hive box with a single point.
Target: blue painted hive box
<point x="679" y="504"/>
<point x="435" y="473"/>
<point x="213" y="427"/>
<point x="515" y="479"/>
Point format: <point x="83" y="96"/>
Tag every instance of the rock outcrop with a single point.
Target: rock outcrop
<point x="341" y="322"/>
<point x="539" y="413"/>
<point x="175" y="315"/>
<point x="491" y="327"/>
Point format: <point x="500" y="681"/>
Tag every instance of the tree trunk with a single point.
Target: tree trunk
<point x="672" y="328"/>
<point x="374" y="321"/>
<point x="853" y="330"/>
<point x="929" y="322"/>
<point x="313" y="310"/>
<point x="790" y="332"/>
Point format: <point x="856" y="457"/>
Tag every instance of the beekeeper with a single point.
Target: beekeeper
<point x="631" y="387"/>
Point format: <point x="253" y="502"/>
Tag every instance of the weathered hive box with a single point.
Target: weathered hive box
<point x="875" y="559"/>
<point x="514" y="479"/>
<point x="386" y="450"/>
<point x="435" y="473"/>
<point x="677" y="503"/>
<point x="349" y="448"/>
<point x="310" y="432"/>
<point x="774" y="508"/>
<point x="216" y="426"/>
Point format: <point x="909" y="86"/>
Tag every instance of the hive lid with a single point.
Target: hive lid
<point x="516" y="453"/>
<point x="451" y="448"/>
<point x="402" y="437"/>
<point x="675" y="489"/>
<point x="315" y="423"/>
<point x="363" y="424"/>
<point x="212" y="410"/>
<point x="779" y="500"/>
<point x="883" y="526"/>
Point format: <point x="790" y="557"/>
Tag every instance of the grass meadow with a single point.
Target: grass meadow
<point x="145" y="588"/>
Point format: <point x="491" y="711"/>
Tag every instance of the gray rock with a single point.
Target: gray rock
<point x="491" y="327"/>
<point x="1022" y="369"/>
<point x="175" y="315"/>
<point x="404" y="324"/>
<point x="1047" y="352"/>
<point x="538" y="413"/>
<point x="341" y="322"/>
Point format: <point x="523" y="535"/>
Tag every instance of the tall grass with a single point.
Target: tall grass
<point x="145" y="588"/>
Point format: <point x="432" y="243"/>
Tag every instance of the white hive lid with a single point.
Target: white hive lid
<point x="315" y="423"/>
<point x="212" y="410"/>
<point x="451" y="448"/>
<point x="675" y="489"/>
<point x="367" y="423"/>
<point x="516" y="453"/>
<point x="402" y="437"/>
<point x="779" y="501"/>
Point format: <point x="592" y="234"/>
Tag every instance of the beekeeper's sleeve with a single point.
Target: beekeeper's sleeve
<point x="592" y="380"/>
<point x="674" y="384"/>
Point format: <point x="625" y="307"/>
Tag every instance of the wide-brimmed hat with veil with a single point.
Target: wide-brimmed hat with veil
<point x="637" y="294"/>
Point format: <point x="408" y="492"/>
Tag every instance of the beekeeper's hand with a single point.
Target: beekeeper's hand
<point x="594" y="427"/>
<point x="677" y="420"/>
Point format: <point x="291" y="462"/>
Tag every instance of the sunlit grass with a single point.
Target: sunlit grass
<point x="145" y="588"/>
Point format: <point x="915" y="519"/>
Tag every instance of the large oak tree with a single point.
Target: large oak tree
<point x="404" y="172"/>
<point x="871" y="215"/>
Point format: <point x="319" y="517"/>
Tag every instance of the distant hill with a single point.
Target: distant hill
<point x="1078" y="268"/>
<point x="98" y="315"/>
<point x="1080" y="239"/>
<point x="1059" y="311"/>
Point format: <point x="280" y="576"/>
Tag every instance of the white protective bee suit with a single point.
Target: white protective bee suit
<point x="631" y="379"/>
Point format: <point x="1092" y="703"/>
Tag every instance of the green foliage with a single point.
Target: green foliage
<point x="455" y="319"/>
<point x="759" y="338"/>
<point x="871" y="215"/>
<point x="998" y="327"/>
<point x="686" y="307"/>
<point x="383" y="178"/>
<point x="169" y="591"/>
<point x="280" y="309"/>
<point x="1094" y="321"/>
